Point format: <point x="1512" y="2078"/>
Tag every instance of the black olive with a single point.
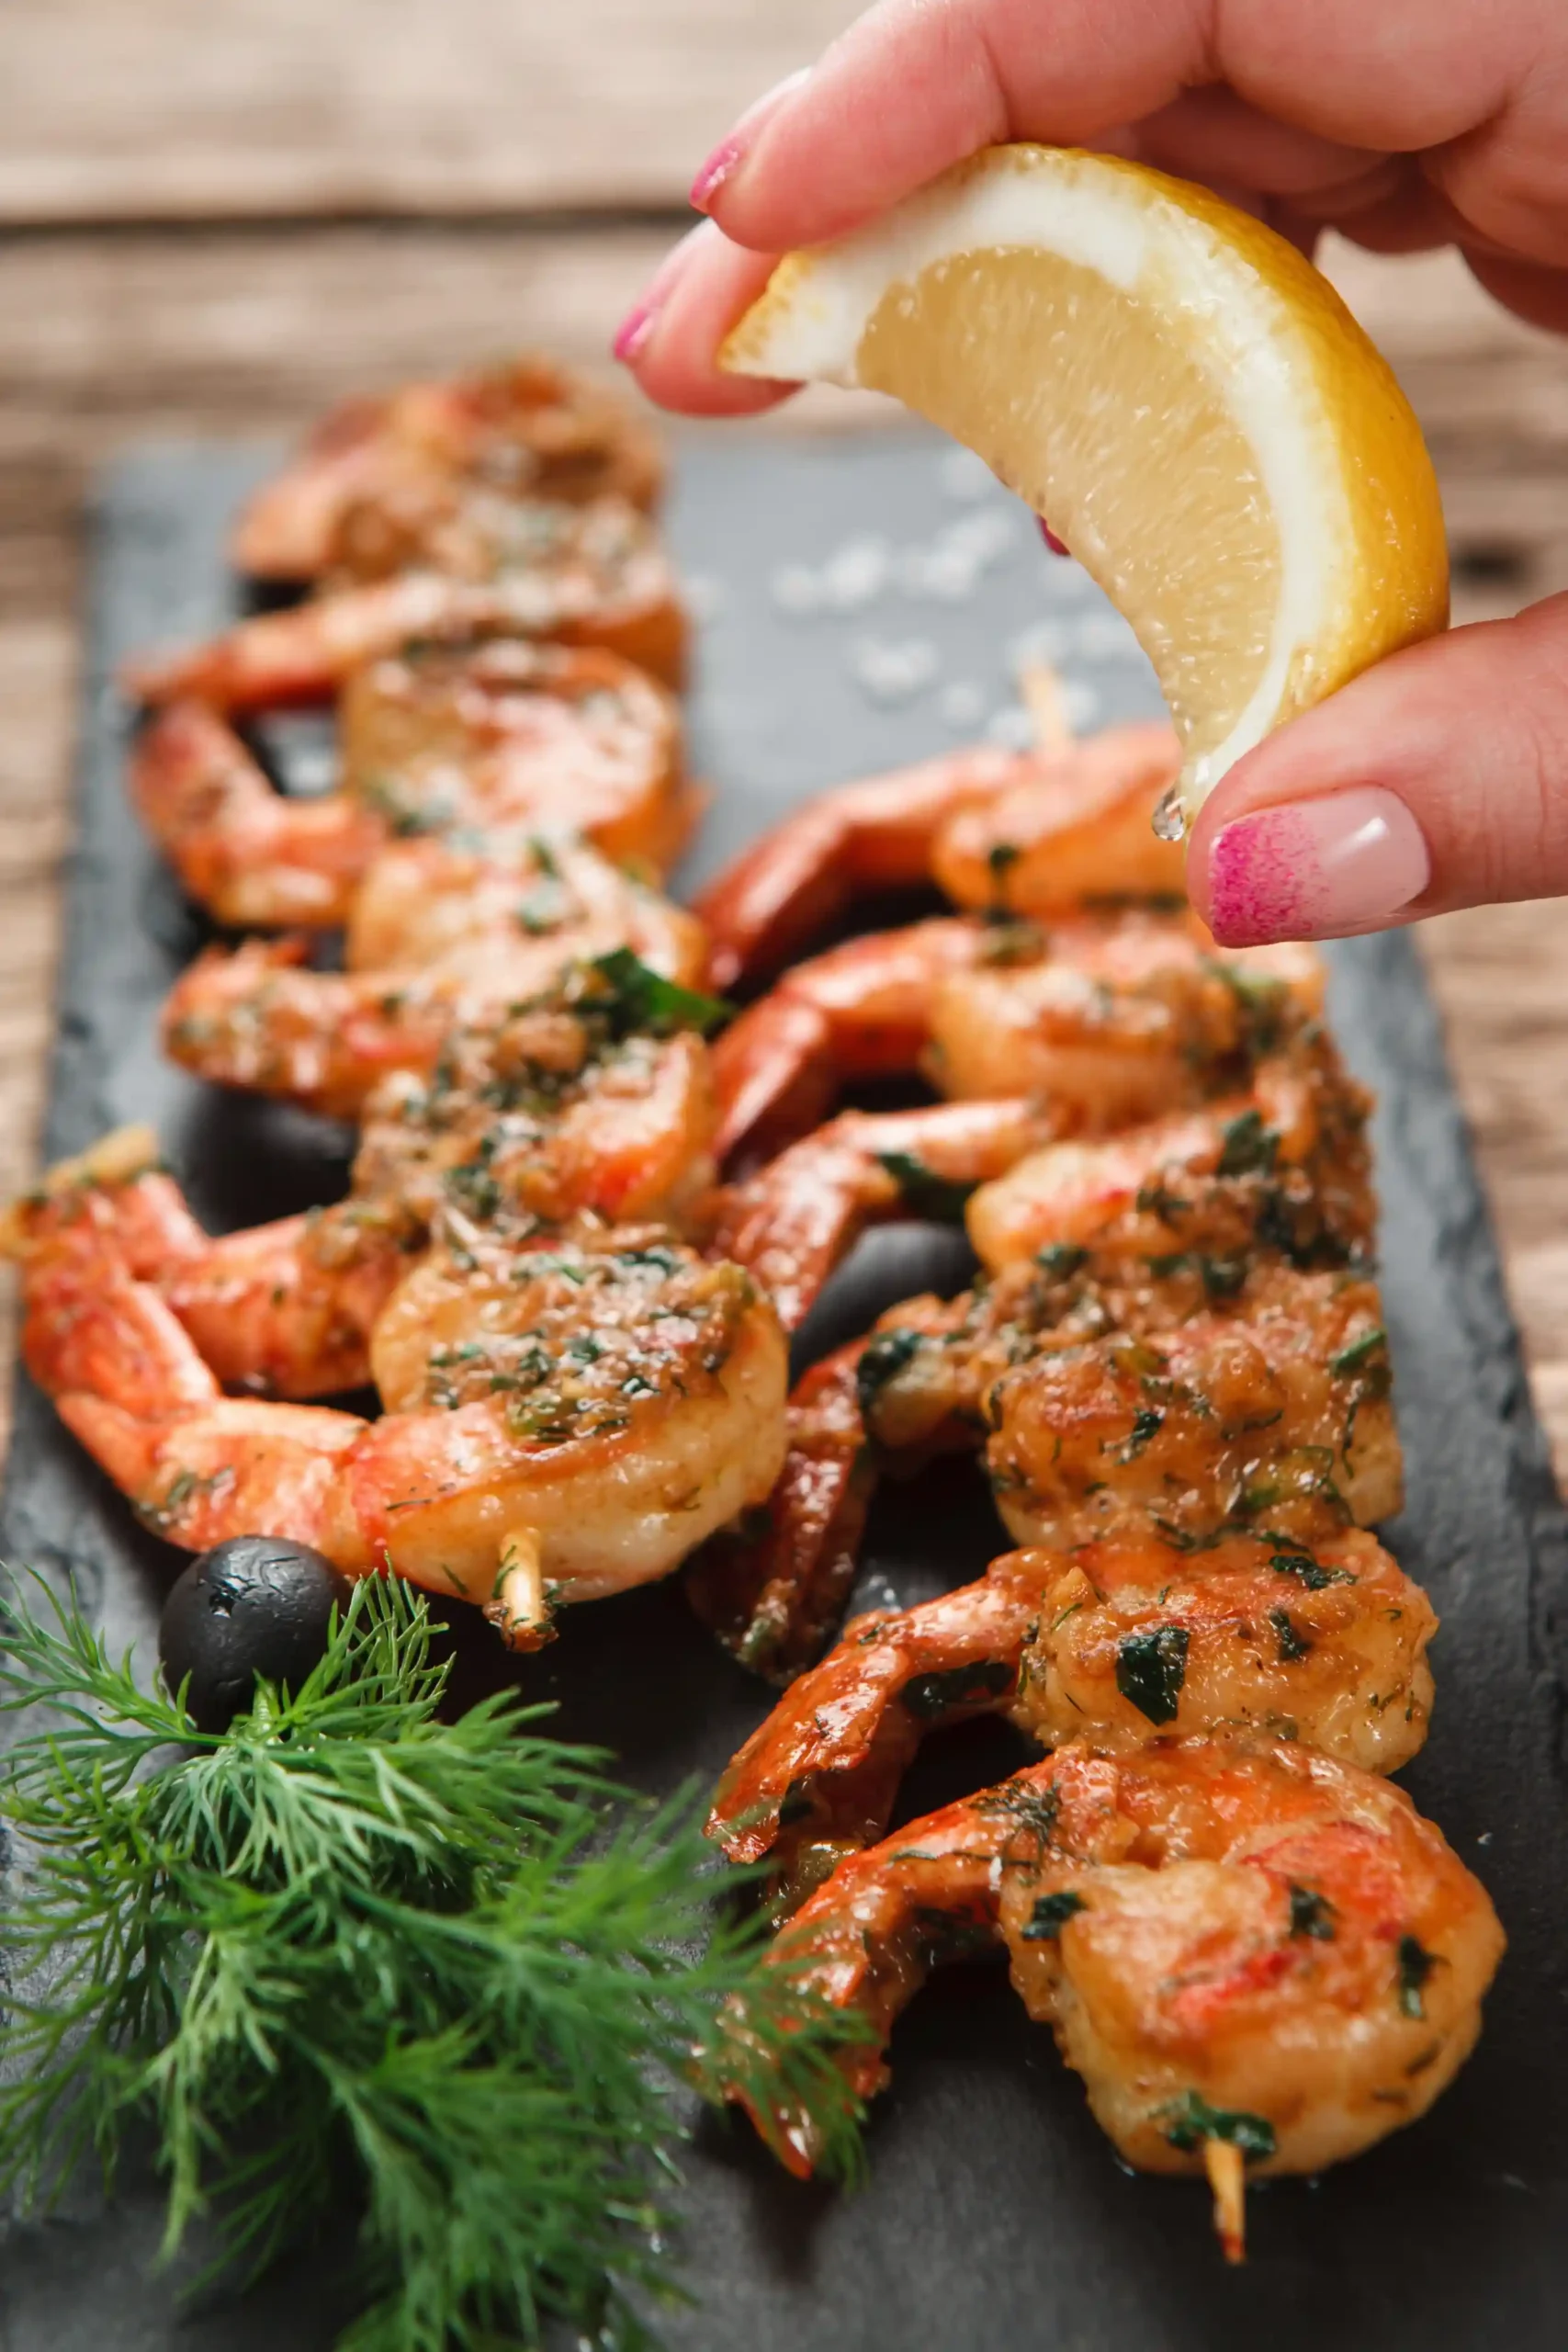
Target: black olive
<point x="256" y="1605"/>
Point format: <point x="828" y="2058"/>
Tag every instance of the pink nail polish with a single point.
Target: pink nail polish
<point x="1056" y="546"/>
<point x="1316" y="869"/>
<point x="730" y="152"/>
<point x="715" y="171"/>
<point x="634" y="331"/>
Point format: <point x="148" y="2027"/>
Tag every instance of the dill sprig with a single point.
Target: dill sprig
<point x="447" y="1962"/>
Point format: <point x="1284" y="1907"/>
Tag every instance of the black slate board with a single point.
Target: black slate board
<point x="995" y="2215"/>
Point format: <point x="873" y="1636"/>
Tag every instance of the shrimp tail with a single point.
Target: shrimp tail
<point x="772" y="1593"/>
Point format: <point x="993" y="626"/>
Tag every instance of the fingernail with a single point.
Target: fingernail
<point x="1056" y="546"/>
<point x="728" y="156"/>
<point x="634" y="331"/>
<point x="1316" y="869"/>
<point x="632" y="335"/>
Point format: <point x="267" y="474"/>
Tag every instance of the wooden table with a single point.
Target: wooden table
<point x="216" y="216"/>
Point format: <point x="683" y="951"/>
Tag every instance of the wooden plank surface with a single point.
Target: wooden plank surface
<point x="107" y="338"/>
<point x="226" y="109"/>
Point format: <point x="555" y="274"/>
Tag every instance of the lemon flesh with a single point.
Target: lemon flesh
<point x="1182" y="395"/>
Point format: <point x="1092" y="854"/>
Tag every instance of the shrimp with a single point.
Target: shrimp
<point x="443" y="934"/>
<point x="565" y="1419"/>
<point x="553" y="1113"/>
<point x="1077" y="825"/>
<point x="795" y="1220"/>
<point x="1087" y="1245"/>
<point x="773" y="1598"/>
<point x="590" y="576"/>
<point x="1105" y="1019"/>
<point x="1116" y="1642"/>
<point x="529" y="426"/>
<point x="1252" y="1953"/>
<point x="434" y="740"/>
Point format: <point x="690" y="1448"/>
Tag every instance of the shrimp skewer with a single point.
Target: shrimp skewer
<point x="564" y="1420"/>
<point x="435" y="741"/>
<point x="1233" y="1939"/>
<point x="592" y="575"/>
<point x="441" y="935"/>
<point x="529" y="426"/>
<point x="1031" y="832"/>
<point x="1105" y="1020"/>
<point x="1118" y="1641"/>
<point x="549" y="1115"/>
<point x="1171" y="1236"/>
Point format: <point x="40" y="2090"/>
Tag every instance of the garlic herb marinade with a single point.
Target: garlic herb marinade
<point x="349" y="1942"/>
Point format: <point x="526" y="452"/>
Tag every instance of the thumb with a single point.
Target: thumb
<point x="1439" y="778"/>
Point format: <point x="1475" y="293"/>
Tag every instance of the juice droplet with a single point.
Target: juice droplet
<point x="1169" y="817"/>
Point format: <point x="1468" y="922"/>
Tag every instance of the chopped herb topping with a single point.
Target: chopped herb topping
<point x="1308" y="1571"/>
<point x="646" y="999"/>
<point x="1312" y="1914"/>
<point x="1191" y="2120"/>
<point x="1151" y="1667"/>
<point x="941" y="1198"/>
<point x="1051" y="1915"/>
<point x="1359" y="1351"/>
<point x="1247" y="1145"/>
<point x="1001" y="857"/>
<point x="932" y="1695"/>
<point x="1060" y="1259"/>
<point x="1033" y="1808"/>
<point x="1293" y="1646"/>
<point x="1148" y="1422"/>
<point x="1415" y="1965"/>
<point x="883" y="1358"/>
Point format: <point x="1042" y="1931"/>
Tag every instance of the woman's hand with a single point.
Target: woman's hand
<point x="1440" y="778"/>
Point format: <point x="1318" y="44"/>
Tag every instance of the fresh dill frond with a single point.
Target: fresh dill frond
<point x="347" y="1940"/>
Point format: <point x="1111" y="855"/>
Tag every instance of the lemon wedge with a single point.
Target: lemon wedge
<point x="1181" y="393"/>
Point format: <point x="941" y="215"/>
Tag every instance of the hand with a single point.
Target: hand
<point x="1440" y="778"/>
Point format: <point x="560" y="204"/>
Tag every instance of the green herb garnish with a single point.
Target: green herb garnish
<point x="1293" y="1646"/>
<point x="1415" y="1965"/>
<point x="1051" y="1915"/>
<point x="1308" y="1571"/>
<point x="643" y="999"/>
<point x="1358" y="1354"/>
<point x="1312" y="1914"/>
<point x="1191" y="2120"/>
<point x="941" y="1198"/>
<point x="930" y="1696"/>
<point x="446" y="1966"/>
<point x="1247" y="1145"/>
<point x="1151" y="1667"/>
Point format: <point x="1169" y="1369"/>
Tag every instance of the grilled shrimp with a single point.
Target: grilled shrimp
<point x="592" y="575"/>
<point x="1076" y="827"/>
<point x="1252" y="1953"/>
<point x="1104" y="1020"/>
<point x="1115" y="1642"/>
<point x="1188" y="1033"/>
<point x="434" y="740"/>
<point x="529" y="427"/>
<point x="565" y="1419"/>
<point x="1185" y="1226"/>
<point x="443" y="934"/>
<point x="554" y="1113"/>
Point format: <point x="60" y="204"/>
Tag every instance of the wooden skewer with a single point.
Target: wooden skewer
<point x="1041" y="691"/>
<point x="1226" y="2169"/>
<point x="520" y="1611"/>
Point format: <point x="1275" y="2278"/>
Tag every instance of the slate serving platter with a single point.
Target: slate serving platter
<point x="863" y="604"/>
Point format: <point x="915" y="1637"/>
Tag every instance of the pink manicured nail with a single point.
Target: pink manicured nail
<point x="718" y="168"/>
<point x="634" y="331"/>
<point x="730" y="152"/>
<point x="1316" y="869"/>
<point x="1056" y="546"/>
